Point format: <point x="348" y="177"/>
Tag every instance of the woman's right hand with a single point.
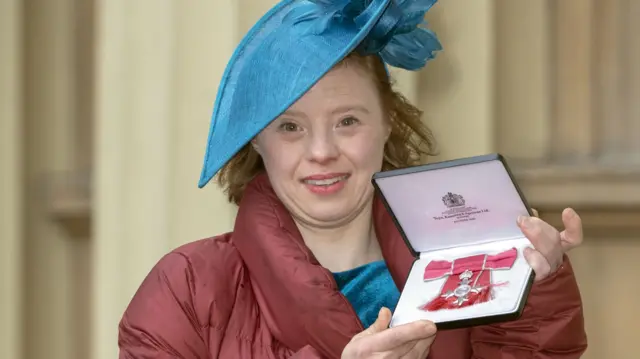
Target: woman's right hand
<point x="408" y="341"/>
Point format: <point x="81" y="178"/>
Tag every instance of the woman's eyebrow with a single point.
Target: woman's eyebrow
<point x="334" y="111"/>
<point x="293" y="113"/>
<point x="347" y="108"/>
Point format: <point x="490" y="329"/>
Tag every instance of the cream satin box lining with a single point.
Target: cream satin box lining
<point x="507" y="297"/>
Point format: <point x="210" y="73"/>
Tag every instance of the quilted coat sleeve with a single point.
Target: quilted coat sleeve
<point x="160" y="322"/>
<point x="551" y="326"/>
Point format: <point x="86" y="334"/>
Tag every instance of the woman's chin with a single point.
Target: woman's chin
<point x="331" y="213"/>
<point x="328" y="218"/>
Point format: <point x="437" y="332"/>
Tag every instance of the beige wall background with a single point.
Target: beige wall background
<point x="104" y="111"/>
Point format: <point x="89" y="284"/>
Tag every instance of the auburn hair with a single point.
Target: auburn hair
<point x="410" y="141"/>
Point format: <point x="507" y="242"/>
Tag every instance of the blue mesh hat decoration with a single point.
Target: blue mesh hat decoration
<point x="293" y="46"/>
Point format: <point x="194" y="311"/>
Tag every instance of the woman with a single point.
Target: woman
<point x="305" y="115"/>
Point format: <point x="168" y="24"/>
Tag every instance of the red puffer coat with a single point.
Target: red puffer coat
<point x="259" y="293"/>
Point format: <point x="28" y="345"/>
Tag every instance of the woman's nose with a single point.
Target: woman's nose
<point x="322" y="147"/>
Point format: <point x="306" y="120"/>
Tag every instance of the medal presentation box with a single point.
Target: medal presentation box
<point x="458" y="219"/>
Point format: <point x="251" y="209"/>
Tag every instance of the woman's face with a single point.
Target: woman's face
<point x="321" y="153"/>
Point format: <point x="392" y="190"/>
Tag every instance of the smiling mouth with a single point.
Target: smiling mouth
<point x="324" y="181"/>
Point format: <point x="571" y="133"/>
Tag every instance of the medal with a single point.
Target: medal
<point x="474" y="279"/>
<point x="462" y="291"/>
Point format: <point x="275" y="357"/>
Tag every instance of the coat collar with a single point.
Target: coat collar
<point x="298" y="298"/>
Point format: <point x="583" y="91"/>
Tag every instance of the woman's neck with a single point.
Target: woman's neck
<point x="345" y="247"/>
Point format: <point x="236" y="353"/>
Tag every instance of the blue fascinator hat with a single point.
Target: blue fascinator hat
<point x="292" y="47"/>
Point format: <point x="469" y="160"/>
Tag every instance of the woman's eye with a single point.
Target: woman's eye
<point x="348" y="121"/>
<point x="289" y="127"/>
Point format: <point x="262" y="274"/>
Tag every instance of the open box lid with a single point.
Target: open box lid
<point x="454" y="203"/>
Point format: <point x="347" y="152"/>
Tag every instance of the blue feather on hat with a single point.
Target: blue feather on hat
<point x="408" y="44"/>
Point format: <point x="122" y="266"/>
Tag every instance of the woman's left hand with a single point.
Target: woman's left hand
<point x="549" y="245"/>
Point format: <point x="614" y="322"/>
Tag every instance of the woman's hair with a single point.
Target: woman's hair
<point x="409" y="143"/>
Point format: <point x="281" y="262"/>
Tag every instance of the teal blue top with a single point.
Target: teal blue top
<point x="368" y="288"/>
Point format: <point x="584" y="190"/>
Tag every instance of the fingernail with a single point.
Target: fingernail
<point x="570" y="213"/>
<point x="523" y="221"/>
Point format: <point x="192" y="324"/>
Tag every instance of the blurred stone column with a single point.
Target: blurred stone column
<point x="11" y="167"/>
<point x="524" y="106"/>
<point x="134" y="111"/>
<point x="49" y="113"/>
<point x="158" y="69"/>
<point x="457" y="89"/>
<point x="207" y="34"/>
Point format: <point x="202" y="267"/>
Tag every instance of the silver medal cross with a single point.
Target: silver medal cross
<point x="461" y="292"/>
